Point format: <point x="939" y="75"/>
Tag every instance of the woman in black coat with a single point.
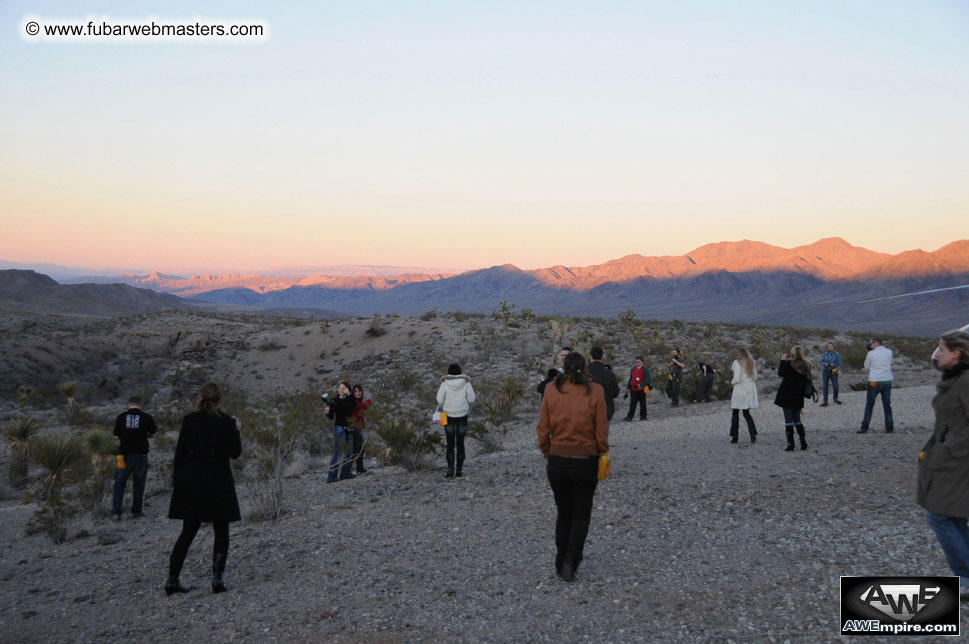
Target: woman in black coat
<point x="795" y="373"/>
<point x="204" y="490"/>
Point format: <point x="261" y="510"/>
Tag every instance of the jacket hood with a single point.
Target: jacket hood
<point x="456" y="382"/>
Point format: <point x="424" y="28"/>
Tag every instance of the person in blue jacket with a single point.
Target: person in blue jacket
<point x="830" y="362"/>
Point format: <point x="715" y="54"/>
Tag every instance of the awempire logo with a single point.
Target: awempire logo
<point x="900" y="606"/>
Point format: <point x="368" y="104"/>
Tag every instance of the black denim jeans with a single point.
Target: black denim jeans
<point x="454" y="432"/>
<point x="573" y="482"/>
<point x="637" y="397"/>
<point x="735" y="423"/>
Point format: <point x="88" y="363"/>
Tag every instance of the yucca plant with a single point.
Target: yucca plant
<point x="18" y="434"/>
<point x="60" y="456"/>
<point x="100" y="445"/>
<point x="69" y="391"/>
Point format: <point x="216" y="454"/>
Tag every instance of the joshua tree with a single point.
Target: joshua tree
<point x="59" y="455"/>
<point x="18" y="433"/>
<point x="68" y="391"/>
<point x="23" y="393"/>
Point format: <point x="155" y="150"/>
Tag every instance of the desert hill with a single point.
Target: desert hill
<point x="828" y="283"/>
<point x="30" y="291"/>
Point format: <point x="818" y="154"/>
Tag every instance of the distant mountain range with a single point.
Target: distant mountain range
<point x="820" y="284"/>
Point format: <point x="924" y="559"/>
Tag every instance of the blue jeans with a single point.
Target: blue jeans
<point x="136" y="465"/>
<point x="886" y="393"/>
<point x="833" y="377"/>
<point x="953" y="536"/>
<point x="342" y="443"/>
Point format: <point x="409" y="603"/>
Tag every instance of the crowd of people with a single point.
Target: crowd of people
<point x="577" y="405"/>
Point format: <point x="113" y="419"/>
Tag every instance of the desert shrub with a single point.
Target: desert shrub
<point x="61" y="457"/>
<point x="498" y="406"/>
<point x="83" y="418"/>
<point x="18" y="433"/>
<point x="916" y="349"/>
<point x="405" y="440"/>
<point x="429" y="315"/>
<point x="376" y="327"/>
<point x="269" y="345"/>
<point x="853" y="355"/>
<point x="858" y="386"/>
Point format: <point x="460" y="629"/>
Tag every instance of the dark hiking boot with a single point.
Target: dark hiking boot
<point x="218" y="567"/>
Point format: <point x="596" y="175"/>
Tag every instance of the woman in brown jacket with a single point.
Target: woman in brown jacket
<point x="572" y="433"/>
<point x="944" y="461"/>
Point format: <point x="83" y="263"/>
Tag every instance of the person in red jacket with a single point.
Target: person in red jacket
<point x="359" y="424"/>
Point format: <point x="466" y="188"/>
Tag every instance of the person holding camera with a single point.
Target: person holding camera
<point x="455" y="396"/>
<point x="795" y="373"/>
<point x="878" y="362"/>
<point x="830" y="362"/>
<point x="203" y="488"/>
<point x="341" y="411"/>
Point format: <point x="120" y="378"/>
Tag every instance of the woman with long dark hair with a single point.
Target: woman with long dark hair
<point x="204" y="490"/>
<point x="944" y="461"/>
<point x="795" y="373"/>
<point x="572" y="432"/>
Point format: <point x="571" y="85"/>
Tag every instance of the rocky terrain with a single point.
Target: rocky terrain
<point x="693" y="540"/>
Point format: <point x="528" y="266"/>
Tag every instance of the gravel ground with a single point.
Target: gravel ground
<point x="693" y="540"/>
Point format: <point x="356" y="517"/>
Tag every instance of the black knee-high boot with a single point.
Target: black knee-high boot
<point x="173" y="586"/>
<point x="790" y="438"/>
<point x="800" y="434"/>
<point x="218" y="567"/>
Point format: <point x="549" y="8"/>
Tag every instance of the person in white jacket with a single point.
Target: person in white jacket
<point x="744" y="396"/>
<point x="878" y="362"/>
<point x="455" y="396"/>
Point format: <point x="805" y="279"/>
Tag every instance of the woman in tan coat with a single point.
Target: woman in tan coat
<point x="572" y="432"/>
<point x="944" y="461"/>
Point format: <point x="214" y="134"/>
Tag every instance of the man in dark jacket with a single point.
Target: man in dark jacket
<point x="603" y="374"/>
<point x="133" y="427"/>
<point x="640" y="380"/>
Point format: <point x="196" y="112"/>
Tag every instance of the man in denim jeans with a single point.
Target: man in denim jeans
<point x="830" y="362"/>
<point x="133" y="428"/>
<point x="879" y="365"/>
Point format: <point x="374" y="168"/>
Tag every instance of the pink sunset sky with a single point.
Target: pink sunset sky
<point x="462" y="135"/>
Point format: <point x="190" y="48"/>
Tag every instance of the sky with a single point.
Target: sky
<point x="469" y="134"/>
